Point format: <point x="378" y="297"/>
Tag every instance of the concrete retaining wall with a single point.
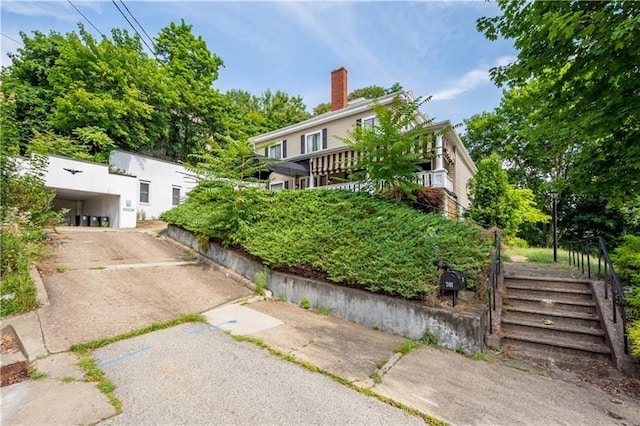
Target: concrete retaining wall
<point x="453" y="328"/>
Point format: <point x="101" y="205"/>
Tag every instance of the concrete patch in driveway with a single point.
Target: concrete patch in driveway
<point x="239" y="320"/>
<point x="349" y="350"/>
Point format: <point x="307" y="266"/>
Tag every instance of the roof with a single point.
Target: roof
<point x="354" y="107"/>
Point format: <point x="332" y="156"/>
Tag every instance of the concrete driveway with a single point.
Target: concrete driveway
<point x="106" y="282"/>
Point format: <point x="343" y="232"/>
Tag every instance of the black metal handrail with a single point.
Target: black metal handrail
<point x="494" y="273"/>
<point x="577" y="253"/>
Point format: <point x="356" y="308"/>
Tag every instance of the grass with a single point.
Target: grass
<point x="190" y="256"/>
<point x="324" y="311"/>
<point x="19" y="293"/>
<point x="305" y="304"/>
<point x="261" y="281"/>
<point x="95" y="374"/>
<point x="539" y="254"/>
<point x="35" y="374"/>
<point x="407" y="346"/>
<point x="313" y="368"/>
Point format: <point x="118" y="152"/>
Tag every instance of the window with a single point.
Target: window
<point x="175" y="196"/>
<point x="276" y="186"/>
<point x="369" y="122"/>
<point x="314" y="143"/>
<point x="144" y="192"/>
<point x="275" y="151"/>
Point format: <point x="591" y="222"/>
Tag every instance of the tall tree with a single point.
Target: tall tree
<point x="388" y="153"/>
<point x="586" y="53"/>
<point x="197" y="110"/>
<point x="267" y="112"/>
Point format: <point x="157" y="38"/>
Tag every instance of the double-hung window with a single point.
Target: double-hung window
<point x="314" y="142"/>
<point x="144" y="192"/>
<point x="275" y="151"/>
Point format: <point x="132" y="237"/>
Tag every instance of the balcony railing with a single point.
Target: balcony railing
<point x="435" y="179"/>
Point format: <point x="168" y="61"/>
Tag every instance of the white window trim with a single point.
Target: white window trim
<point x="281" y="151"/>
<point x="179" y="188"/>
<point x="306" y="141"/>
<point x="140" y="182"/>
<point x="276" y="182"/>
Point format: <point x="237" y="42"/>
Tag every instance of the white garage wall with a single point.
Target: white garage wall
<point x="104" y="194"/>
<point x="161" y="175"/>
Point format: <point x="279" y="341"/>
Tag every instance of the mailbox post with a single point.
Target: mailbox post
<point x="452" y="281"/>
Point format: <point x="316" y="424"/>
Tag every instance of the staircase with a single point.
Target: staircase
<point x="549" y="316"/>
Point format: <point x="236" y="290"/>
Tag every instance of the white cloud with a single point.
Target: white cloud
<point x="471" y="80"/>
<point x="340" y="35"/>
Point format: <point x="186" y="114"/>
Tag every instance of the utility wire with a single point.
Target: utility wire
<point x="134" y="28"/>
<point x="139" y="24"/>
<point x="12" y="39"/>
<point x="87" y="19"/>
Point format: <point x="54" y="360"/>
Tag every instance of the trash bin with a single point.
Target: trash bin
<point x="84" y="220"/>
<point x="104" y="221"/>
<point x="95" y="221"/>
<point x="77" y="220"/>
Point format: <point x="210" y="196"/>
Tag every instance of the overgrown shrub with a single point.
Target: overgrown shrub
<point x="25" y="209"/>
<point x="354" y="238"/>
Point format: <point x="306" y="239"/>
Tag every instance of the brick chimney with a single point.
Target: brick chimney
<point x="338" y="89"/>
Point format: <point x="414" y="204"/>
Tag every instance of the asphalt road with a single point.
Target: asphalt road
<point x="196" y="374"/>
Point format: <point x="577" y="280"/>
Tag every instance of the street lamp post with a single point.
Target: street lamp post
<point x="554" y="210"/>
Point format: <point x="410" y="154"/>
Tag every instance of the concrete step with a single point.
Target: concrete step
<point x="568" y="333"/>
<point x="539" y="302"/>
<point x="555" y="293"/>
<point x="563" y="318"/>
<point x="548" y="282"/>
<point x="543" y="347"/>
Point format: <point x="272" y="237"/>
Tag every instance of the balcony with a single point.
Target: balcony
<point x="435" y="179"/>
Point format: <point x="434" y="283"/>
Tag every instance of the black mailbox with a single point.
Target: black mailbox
<point x="452" y="280"/>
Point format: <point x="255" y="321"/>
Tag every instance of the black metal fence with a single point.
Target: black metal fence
<point x="581" y="255"/>
<point x="494" y="273"/>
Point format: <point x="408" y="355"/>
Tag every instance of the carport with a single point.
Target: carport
<point x="87" y="208"/>
<point x="93" y="195"/>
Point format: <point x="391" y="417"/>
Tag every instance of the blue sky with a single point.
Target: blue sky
<point x="430" y="47"/>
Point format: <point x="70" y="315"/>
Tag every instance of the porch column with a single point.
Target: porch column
<point x="439" y="164"/>
<point x="311" y="182"/>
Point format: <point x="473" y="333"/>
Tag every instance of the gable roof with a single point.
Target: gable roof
<point x="354" y="107"/>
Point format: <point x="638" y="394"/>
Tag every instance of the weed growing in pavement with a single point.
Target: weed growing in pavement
<point x="261" y="281"/>
<point x="375" y="377"/>
<point x="190" y="256"/>
<point x="365" y="391"/>
<point x="68" y="379"/>
<point x="324" y="311"/>
<point x="35" y="374"/>
<point x="407" y="346"/>
<point x="95" y="374"/>
<point x="61" y="268"/>
<point x="98" y="343"/>
<point x="304" y="303"/>
<point x="429" y="339"/>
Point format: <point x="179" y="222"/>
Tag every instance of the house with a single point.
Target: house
<point x="131" y="187"/>
<point x="314" y="147"/>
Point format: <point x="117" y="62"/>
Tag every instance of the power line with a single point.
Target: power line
<point x="139" y="24"/>
<point x="87" y="19"/>
<point x="12" y="39"/>
<point x="134" y="28"/>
